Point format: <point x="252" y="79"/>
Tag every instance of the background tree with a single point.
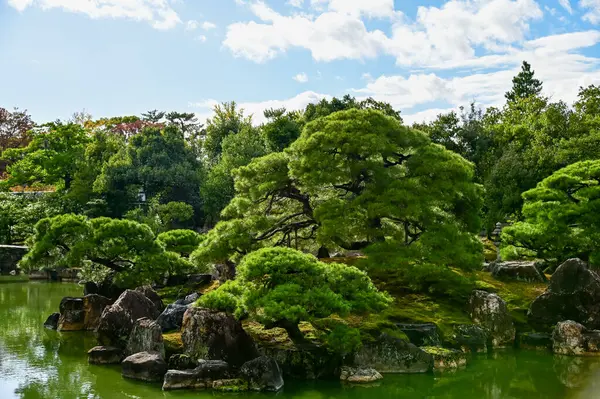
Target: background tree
<point x="524" y="84"/>
<point x="182" y="242"/>
<point x="14" y="131"/>
<point x="281" y="130"/>
<point x="280" y="287"/>
<point x="52" y="157"/>
<point x="227" y="120"/>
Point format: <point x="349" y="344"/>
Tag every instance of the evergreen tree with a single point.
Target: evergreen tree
<point x="524" y="84"/>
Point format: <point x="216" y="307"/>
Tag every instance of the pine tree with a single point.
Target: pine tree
<point x="524" y="84"/>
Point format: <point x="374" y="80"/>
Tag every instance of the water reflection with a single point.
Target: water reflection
<point x="40" y="363"/>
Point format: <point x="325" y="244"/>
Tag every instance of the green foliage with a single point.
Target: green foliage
<point x="524" y="84"/>
<point x="102" y="245"/>
<point x="281" y="130"/>
<point x="52" y="157"/>
<point x="182" y="242"/>
<point x="280" y="287"/>
<point x="561" y="216"/>
<point x="227" y="120"/>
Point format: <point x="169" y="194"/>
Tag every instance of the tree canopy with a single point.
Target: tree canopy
<point x="524" y="84"/>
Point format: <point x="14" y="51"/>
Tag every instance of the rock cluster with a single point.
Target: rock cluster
<point x="490" y="311"/>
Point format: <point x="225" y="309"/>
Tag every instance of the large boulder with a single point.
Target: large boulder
<point x="490" y="311"/>
<point x="105" y="355"/>
<point x="359" y="375"/>
<point x="304" y="363"/>
<point x="118" y="319"/>
<point x="146" y="336"/>
<point x="149" y="292"/>
<point x="51" y="322"/>
<point x="573" y="339"/>
<point x="211" y="335"/>
<point x="573" y="294"/>
<point x="188" y="300"/>
<point x="201" y="377"/>
<point x="262" y="374"/>
<point x="517" y="270"/>
<point x="144" y="366"/>
<point x="421" y="334"/>
<point x="180" y="361"/>
<point x="393" y="355"/>
<point x="470" y="338"/>
<point x="172" y="317"/>
<point x="93" y="306"/>
<point x="445" y="359"/>
<point x="72" y="315"/>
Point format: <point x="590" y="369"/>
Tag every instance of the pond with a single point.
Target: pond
<point x="39" y="363"/>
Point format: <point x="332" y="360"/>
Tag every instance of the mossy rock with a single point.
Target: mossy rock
<point x="233" y="385"/>
<point x="173" y="344"/>
<point x="445" y="359"/>
<point x="490" y="251"/>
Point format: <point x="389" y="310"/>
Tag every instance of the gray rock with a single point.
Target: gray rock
<point x="513" y="270"/>
<point x="201" y="377"/>
<point x="144" y="366"/>
<point x="490" y="311"/>
<point x="105" y="355"/>
<point x="421" y="334"/>
<point x="262" y="374"/>
<point x="303" y="363"/>
<point x="470" y="338"/>
<point x="573" y="339"/>
<point x="394" y="355"/>
<point x="359" y="375"/>
<point x="172" y="317"/>
<point x="146" y="336"/>
<point x="446" y="359"/>
<point x="118" y="319"/>
<point x="149" y="293"/>
<point x="52" y="321"/>
<point x="180" y="361"/>
<point x="188" y="300"/>
<point x="211" y="335"/>
<point x="536" y="341"/>
<point x="72" y="315"/>
<point x="573" y="294"/>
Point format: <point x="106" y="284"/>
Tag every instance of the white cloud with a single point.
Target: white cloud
<point x="206" y="25"/>
<point x="301" y="78"/>
<point x="255" y="109"/>
<point x="370" y="8"/>
<point x="192" y="25"/>
<point x="566" y="4"/>
<point x="201" y="38"/>
<point x="158" y="13"/>
<point x="593" y="13"/>
<point x="296" y="3"/>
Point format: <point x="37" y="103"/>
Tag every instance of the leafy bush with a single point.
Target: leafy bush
<point x="183" y="242"/>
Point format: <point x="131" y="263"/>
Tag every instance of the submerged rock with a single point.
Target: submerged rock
<point x="517" y="270"/>
<point x="105" y="355"/>
<point x="537" y="341"/>
<point x="144" y="366"/>
<point x="172" y="317"/>
<point x="146" y="336"/>
<point x="149" y="293"/>
<point x="471" y="338"/>
<point x="359" y="375"/>
<point x="201" y="377"/>
<point x="262" y="374"/>
<point x="573" y="294"/>
<point x="490" y="311"/>
<point x="394" y="355"/>
<point x="231" y="385"/>
<point x="52" y="321"/>
<point x="211" y="335"/>
<point x="118" y="319"/>
<point x="445" y="359"/>
<point x="421" y="334"/>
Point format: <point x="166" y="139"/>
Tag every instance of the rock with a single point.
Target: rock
<point x="211" y="335"/>
<point x="12" y="273"/>
<point x="224" y="272"/>
<point x="188" y="300"/>
<point x="359" y="375"/>
<point x="108" y="289"/>
<point x="305" y="363"/>
<point x="93" y="306"/>
<point x="394" y="355"/>
<point x="172" y="317"/>
<point x="444" y="359"/>
<point x="201" y="377"/>
<point x="199" y="279"/>
<point x="421" y="334"/>
<point x="144" y="366"/>
<point x="72" y="315"/>
<point x="513" y="270"/>
<point x="537" y="341"/>
<point x="180" y="361"/>
<point x="10" y="255"/>
<point x="262" y="374"/>
<point x="153" y="296"/>
<point x="573" y="294"/>
<point x="69" y="274"/>
<point x="232" y="385"/>
<point x="573" y="339"/>
<point x="89" y="287"/>
<point x="118" y="319"/>
<point x="105" y="355"/>
<point x="490" y="311"/>
<point x="470" y="338"/>
<point x="52" y="321"/>
<point x="146" y="336"/>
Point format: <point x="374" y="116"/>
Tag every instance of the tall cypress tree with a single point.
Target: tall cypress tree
<point x="524" y="84"/>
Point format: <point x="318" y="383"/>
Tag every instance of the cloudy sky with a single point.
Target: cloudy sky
<point x="115" y="57"/>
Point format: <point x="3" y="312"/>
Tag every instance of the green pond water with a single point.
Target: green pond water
<point x="40" y="363"/>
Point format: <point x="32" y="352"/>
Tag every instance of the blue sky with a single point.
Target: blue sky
<point x="116" y="57"/>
